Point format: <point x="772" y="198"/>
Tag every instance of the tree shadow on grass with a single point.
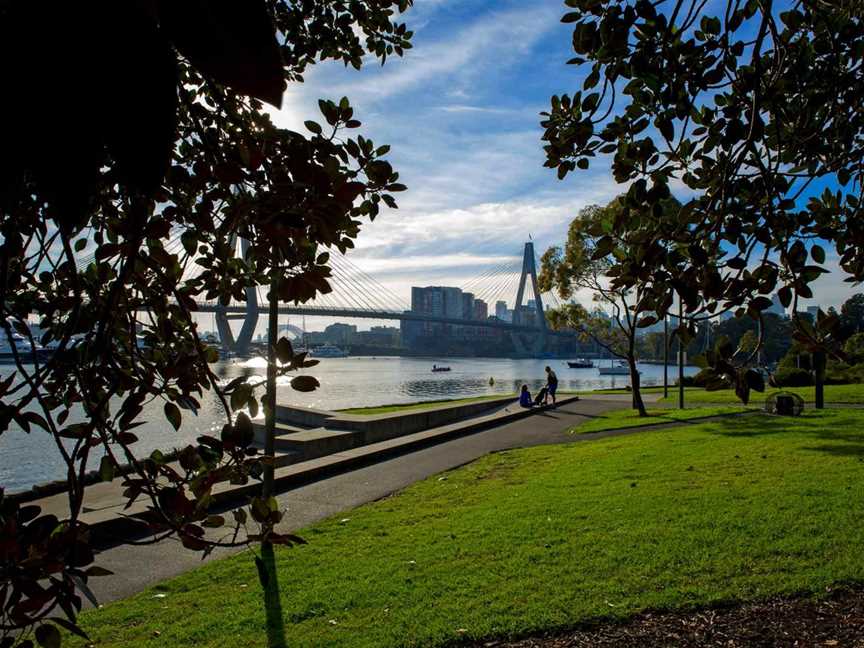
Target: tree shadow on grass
<point x="839" y="435"/>
<point x="269" y="578"/>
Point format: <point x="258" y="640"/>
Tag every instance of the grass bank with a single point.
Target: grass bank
<point x="400" y="407"/>
<point x="540" y="539"/>
<point x="850" y="394"/>
<point x="618" y="419"/>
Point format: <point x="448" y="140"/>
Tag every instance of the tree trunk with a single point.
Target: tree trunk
<point x="636" y="391"/>
<point x="267" y="572"/>
<point x="819" y="361"/>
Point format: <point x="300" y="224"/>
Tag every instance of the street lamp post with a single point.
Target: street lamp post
<point x="680" y="355"/>
<point x="665" y="356"/>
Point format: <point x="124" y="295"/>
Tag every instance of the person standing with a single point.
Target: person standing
<point x="551" y="384"/>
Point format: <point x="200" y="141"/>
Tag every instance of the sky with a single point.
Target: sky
<point x="461" y="113"/>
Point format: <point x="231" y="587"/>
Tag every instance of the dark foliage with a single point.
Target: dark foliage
<point x="163" y="134"/>
<point x="747" y="108"/>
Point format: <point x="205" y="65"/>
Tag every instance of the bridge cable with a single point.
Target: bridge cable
<point x="375" y="285"/>
<point x="473" y="284"/>
<point x="367" y="302"/>
<point x="486" y="289"/>
<point x="346" y="281"/>
<point x="497" y="284"/>
<point x="370" y="287"/>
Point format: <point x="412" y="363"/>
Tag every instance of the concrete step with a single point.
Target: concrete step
<point x="286" y="458"/>
<point x="311" y="444"/>
<point x="281" y="430"/>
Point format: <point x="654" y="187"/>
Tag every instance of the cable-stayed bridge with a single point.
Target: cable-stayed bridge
<point x="357" y="294"/>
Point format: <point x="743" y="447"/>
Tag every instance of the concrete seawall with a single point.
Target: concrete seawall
<point x="380" y="427"/>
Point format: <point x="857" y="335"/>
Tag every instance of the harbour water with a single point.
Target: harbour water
<point x="28" y="459"/>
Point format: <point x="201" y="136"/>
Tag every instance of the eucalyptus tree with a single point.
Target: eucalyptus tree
<point x="748" y="106"/>
<point x="129" y="123"/>
<point x="585" y="263"/>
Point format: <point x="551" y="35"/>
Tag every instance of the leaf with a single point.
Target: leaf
<point x="760" y="303"/>
<point x="213" y="522"/>
<point x="755" y="380"/>
<point x="284" y="350"/>
<point x="172" y="413"/>
<point x="234" y="43"/>
<point x="648" y="320"/>
<point x="84" y="589"/>
<point x="106" y="469"/>
<point x="245" y="432"/>
<point x="71" y="627"/>
<point x="312" y="126"/>
<point x="305" y="383"/>
<point x="818" y="254"/>
<point x="48" y="636"/>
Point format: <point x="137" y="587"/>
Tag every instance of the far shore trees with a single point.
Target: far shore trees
<point x="163" y="134"/>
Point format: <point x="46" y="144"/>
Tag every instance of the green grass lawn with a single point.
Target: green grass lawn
<point x="540" y="539"/>
<point x="399" y="407"/>
<point x="833" y="394"/>
<point x="618" y="419"/>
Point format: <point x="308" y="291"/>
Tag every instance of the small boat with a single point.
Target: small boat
<point x="619" y="368"/>
<point x="580" y="363"/>
<point x="436" y="368"/>
<point x="328" y="351"/>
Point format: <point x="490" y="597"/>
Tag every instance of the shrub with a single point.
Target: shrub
<point x="699" y="380"/>
<point x="854" y="348"/>
<point x="792" y="377"/>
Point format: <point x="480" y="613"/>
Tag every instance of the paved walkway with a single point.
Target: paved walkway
<point x="137" y="567"/>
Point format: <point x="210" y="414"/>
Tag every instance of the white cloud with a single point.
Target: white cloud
<point x="493" y="39"/>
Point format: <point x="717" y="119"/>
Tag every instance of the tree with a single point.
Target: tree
<point x="854" y="348"/>
<point x="852" y="315"/>
<point x="585" y="263"/>
<point x="747" y="109"/>
<point x="166" y="135"/>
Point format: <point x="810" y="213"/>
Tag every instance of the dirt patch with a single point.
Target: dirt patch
<point x="837" y="620"/>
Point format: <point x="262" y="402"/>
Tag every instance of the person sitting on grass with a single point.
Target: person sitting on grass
<point x="525" y="397"/>
<point x="551" y="385"/>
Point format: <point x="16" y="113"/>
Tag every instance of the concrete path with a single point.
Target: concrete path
<point x="137" y="567"/>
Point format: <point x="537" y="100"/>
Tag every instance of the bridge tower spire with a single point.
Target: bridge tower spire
<point x="529" y="271"/>
<point x="250" y="317"/>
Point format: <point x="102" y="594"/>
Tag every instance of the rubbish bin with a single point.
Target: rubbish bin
<point x="784" y="405"/>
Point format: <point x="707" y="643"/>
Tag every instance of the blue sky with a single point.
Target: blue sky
<point x="460" y="111"/>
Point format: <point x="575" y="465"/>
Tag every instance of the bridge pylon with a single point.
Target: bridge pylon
<point x="534" y="344"/>
<point x="240" y="344"/>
